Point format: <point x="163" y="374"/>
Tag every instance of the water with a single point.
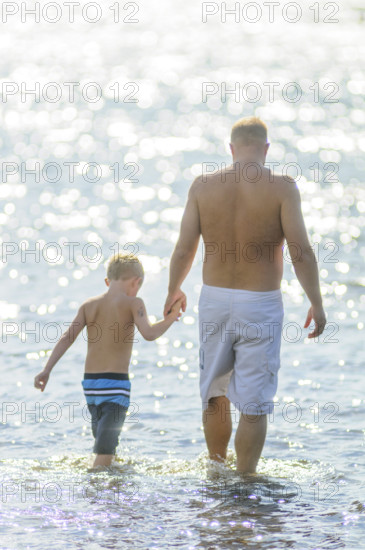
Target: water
<point x="162" y="491"/>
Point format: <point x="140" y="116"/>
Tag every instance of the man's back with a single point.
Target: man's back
<point x="240" y="222"/>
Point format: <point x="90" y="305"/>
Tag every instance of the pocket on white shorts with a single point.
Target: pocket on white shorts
<point x="273" y="366"/>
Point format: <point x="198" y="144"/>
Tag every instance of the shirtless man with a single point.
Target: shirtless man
<point x="243" y="213"/>
<point x="110" y="320"/>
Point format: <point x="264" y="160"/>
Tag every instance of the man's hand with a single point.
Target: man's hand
<point x="175" y="312"/>
<point x="40" y="381"/>
<point x="172" y="298"/>
<point x="317" y="314"/>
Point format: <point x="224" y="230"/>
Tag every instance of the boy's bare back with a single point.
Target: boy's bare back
<point x="110" y="328"/>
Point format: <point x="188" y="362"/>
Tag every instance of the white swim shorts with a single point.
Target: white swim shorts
<point x="240" y="337"/>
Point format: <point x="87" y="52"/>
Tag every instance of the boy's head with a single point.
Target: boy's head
<point x="125" y="267"/>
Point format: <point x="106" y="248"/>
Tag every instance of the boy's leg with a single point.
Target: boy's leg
<point x="249" y="441"/>
<point x="103" y="460"/>
<point x="96" y="412"/>
<point x="108" y="431"/>
<point x="217" y="424"/>
<point x="95" y="417"/>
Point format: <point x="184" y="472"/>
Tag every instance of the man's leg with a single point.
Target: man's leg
<point x="249" y="441"/>
<point x="217" y="424"/>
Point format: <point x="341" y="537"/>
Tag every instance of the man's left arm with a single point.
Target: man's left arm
<point x="185" y="250"/>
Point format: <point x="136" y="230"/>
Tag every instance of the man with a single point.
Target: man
<point x="243" y="213"/>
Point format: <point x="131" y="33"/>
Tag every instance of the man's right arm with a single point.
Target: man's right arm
<point x="185" y="249"/>
<point x="303" y="257"/>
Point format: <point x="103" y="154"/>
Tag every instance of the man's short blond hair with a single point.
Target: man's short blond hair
<point x="124" y="266"/>
<point x="249" y="131"/>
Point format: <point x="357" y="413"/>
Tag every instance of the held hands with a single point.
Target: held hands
<point x="40" y="381"/>
<point x="175" y="312"/>
<point x="317" y="314"/>
<point x="179" y="295"/>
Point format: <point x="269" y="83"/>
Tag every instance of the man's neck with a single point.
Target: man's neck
<point x="242" y="160"/>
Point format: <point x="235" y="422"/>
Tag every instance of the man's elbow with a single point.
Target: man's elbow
<point x="67" y="338"/>
<point x="304" y="255"/>
<point x="183" y="253"/>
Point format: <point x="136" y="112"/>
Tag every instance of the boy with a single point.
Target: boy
<point x="110" y="320"/>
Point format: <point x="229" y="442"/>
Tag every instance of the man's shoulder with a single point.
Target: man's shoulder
<point x="283" y="179"/>
<point x="284" y="185"/>
<point x="204" y="180"/>
<point x="197" y="183"/>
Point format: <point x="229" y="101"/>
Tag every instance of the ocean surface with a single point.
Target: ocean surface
<point x="99" y="158"/>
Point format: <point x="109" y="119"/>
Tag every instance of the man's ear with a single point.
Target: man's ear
<point x="106" y="281"/>
<point x="139" y="281"/>
<point x="231" y="148"/>
<point x="267" y="148"/>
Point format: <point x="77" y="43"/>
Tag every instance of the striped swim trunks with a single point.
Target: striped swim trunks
<point x="104" y="387"/>
<point x="107" y="397"/>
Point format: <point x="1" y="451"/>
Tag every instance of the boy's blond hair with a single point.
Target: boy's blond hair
<point x="249" y="131"/>
<point x="124" y="266"/>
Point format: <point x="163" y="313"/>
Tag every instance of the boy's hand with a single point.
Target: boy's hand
<point x="175" y="309"/>
<point x="40" y="381"/>
<point x="318" y="315"/>
<point x="172" y="298"/>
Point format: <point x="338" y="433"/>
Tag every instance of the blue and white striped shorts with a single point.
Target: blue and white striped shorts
<point x="104" y="387"/>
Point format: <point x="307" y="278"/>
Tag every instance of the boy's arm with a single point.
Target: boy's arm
<point x="148" y="331"/>
<point x="66" y="340"/>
